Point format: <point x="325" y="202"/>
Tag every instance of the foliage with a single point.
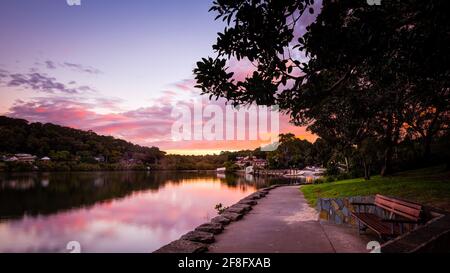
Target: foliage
<point x="230" y="166"/>
<point x="293" y="152"/>
<point x="364" y="78"/>
<point x="220" y="208"/>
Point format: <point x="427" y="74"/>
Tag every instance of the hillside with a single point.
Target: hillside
<point x="68" y="144"/>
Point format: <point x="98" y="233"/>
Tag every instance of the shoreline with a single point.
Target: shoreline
<point x="103" y="170"/>
<point x="198" y="239"/>
<point x="282" y="222"/>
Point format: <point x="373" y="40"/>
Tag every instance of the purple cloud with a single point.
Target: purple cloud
<point x="81" y="68"/>
<point x="40" y="82"/>
<point x="143" y="125"/>
<point x="50" y="65"/>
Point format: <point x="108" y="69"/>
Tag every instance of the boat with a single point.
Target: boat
<point x="221" y="170"/>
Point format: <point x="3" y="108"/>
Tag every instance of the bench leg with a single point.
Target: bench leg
<point x="361" y="228"/>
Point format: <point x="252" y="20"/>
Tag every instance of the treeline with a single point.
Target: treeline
<point x="348" y="161"/>
<point x="77" y="150"/>
<point x="193" y="162"/>
<point x="64" y="144"/>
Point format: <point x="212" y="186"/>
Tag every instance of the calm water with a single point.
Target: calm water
<point x="110" y="211"/>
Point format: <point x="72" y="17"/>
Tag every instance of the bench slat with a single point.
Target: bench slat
<point x="409" y="211"/>
<point x="405" y="209"/>
<point x="376" y="223"/>
<point x="400" y="201"/>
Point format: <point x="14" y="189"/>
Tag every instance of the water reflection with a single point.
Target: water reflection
<point x="110" y="211"/>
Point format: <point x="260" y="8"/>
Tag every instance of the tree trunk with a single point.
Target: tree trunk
<point x="366" y="170"/>
<point x="347" y="165"/>
<point x="387" y="164"/>
<point x="427" y="147"/>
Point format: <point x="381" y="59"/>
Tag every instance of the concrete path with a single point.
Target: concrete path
<point x="282" y="222"/>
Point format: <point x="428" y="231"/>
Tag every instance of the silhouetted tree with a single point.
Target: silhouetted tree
<point x="358" y="67"/>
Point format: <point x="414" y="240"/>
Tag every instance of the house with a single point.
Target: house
<point x="10" y="159"/>
<point x="243" y="162"/>
<point x="25" y="158"/>
<point x="100" y="158"/>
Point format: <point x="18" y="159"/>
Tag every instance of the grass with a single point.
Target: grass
<point x="429" y="186"/>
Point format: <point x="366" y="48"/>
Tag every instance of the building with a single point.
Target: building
<point x="100" y="158"/>
<point x="10" y="159"/>
<point x="25" y="158"/>
<point x="243" y="162"/>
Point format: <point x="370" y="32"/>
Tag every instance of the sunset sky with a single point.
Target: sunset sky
<point x="115" y="67"/>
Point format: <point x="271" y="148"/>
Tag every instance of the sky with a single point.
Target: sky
<point x="112" y="66"/>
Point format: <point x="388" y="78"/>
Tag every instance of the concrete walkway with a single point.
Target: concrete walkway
<point x="282" y="222"/>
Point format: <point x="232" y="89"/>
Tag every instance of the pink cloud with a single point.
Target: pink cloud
<point x="149" y="126"/>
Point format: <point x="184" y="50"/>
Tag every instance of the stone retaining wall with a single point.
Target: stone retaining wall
<point x="197" y="241"/>
<point x="338" y="210"/>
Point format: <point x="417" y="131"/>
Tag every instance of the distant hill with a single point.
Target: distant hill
<point x="65" y="144"/>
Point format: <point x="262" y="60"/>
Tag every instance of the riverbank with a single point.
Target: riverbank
<point x="428" y="186"/>
<point x="272" y="220"/>
<point x="21" y="167"/>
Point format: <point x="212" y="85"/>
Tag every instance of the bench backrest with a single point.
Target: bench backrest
<point x="403" y="208"/>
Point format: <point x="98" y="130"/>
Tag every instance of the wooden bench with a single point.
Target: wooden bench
<point x="399" y="212"/>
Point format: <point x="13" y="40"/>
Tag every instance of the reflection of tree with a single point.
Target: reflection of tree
<point x="47" y="193"/>
<point x="242" y="180"/>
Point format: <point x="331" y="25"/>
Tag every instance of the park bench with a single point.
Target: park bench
<point x="399" y="213"/>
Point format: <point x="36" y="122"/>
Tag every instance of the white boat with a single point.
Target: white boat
<point x="221" y="170"/>
<point x="249" y="170"/>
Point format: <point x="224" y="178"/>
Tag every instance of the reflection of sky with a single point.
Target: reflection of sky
<point x="142" y="222"/>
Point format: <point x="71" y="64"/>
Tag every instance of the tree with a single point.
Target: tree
<point x="378" y="59"/>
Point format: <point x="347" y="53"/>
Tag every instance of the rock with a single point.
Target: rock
<point x="345" y="211"/>
<point x="263" y="193"/>
<point x="183" y="246"/>
<point x="239" y="210"/>
<point x="214" y="228"/>
<point x="232" y="216"/>
<point x="256" y="195"/>
<point x="242" y="206"/>
<point x="198" y="236"/>
<point x="323" y="215"/>
<point x="253" y="196"/>
<point x="248" y="202"/>
<point x="335" y="205"/>
<point x="221" y="220"/>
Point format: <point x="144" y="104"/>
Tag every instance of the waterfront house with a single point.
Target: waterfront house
<point x="243" y="162"/>
<point x="10" y="159"/>
<point x="25" y="158"/>
<point x="100" y="158"/>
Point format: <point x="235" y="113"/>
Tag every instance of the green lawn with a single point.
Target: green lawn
<point x="430" y="186"/>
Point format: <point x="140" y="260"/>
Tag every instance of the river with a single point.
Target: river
<point x="111" y="211"/>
